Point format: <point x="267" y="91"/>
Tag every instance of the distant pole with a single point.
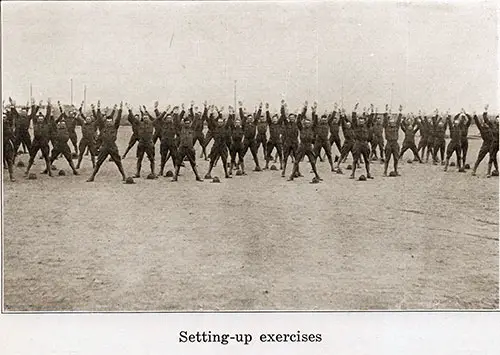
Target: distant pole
<point x="235" y="95"/>
<point x="317" y="65"/>
<point x="84" y="97"/>
<point x="392" y="88"/>
<point x="71" y="80"/>
<point x="31" y="91"/>
<point x="342" y="94"/>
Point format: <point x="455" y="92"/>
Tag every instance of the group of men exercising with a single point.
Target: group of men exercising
<point x="293" y="135"/>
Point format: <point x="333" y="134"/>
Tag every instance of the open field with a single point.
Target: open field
<point x="425" y="240"/>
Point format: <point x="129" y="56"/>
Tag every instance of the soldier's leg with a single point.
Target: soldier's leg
<point x="312" y="160"/>
<point x="81" y="148"/>
<point x="141" y="149"/>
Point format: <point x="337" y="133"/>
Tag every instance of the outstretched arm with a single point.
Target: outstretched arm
<point x="259" y="112"/>
<point x="268" y="115"/>
<point x="80" y="118"/>
<point x="282" y="110"/>
<point x="119" y="117"/>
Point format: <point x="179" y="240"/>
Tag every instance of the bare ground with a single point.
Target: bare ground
<point x="425" y="240"/>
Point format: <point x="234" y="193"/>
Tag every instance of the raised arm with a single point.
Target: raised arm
<point x="354" y="114"/>
<point x="191" y="111"/>
<point x="34" y="109"/>
<point x="119" y="117"/>
<point x="282" y="110"/>
<point x="204" y="116"/>
<point x="80" y="118"/>
<point x="469" y="120"/>
<point x="485" y="116"/>
<point x="147" y="114"/>
<point x="257" y="115"/>
<point x="130" y="116"/>
<point x="49" y="110"/>
<point x="98" y="115"/>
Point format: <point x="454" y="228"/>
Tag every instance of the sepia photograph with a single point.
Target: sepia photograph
<point x="196" y="156"/>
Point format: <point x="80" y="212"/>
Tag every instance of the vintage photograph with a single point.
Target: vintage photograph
<point x="249" y="156"/>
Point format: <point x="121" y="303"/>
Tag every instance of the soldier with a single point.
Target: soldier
<point x="334" y="123"/>
<point x="21" y="128"/>
<point x="89" y="132"/>
<point x="290" y="137"/>
<point x="198" y="125"/>
<point x="391" y="130"/>
<point x="274" y="124"/>
<point x="186" y="148"/>
<point x="486" y="135"/>
<point x="261" y="139"/>
<point x="108" y="132"/>
<point x="249" y="127"/>
<point x="439" y="130"/>
<point x="9" y="152"/>
<point x="494" y="143"/>
<point x="60" y="142"/>
<point x="41" y="135"/>
<point x="361" y="127"/>
<point x="378" y="138"/>
<point x="454" y="146"/>
<point x="306" y="137"/>
<point x="424" y="127"/>
<point x="219" y="148"/>
<point x="348" y="145"/>
<point x="144" y="126"/>
<point x="410" y="128"/>
<point x="322" y="127"/>
<point x="465" y="123"/>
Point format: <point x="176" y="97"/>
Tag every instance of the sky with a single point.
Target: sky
<point x="423" y="56"/>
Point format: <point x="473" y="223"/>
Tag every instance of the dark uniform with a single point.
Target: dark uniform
<point x="41" y="137"/>
<point x="22" y="134"/>
<point x="391" y="130"/>
<point x="361" y="147"/>
<point x="186" y="149"/>
<point x="60" y="143"/>
<point x="486" y="135"/>
<point x="145" y="130"/>
<point x="219" y="148"/>
<point x="306" y="145"/>
<point x="424" y="127"/>
<point x="249" y="142"/>
<point x="168" y="146"/>
<point x="9" y="151"/>
<point x="409" y="140"/>
<point x="236" y="147"/>
<point x="108" y="130"/>
<point x="89" y="133"/>
<point x="262" y="136"/>
<point x="274" y="139"/>
<point x="334" y="123"/>
<point x="494" y="144"/>
<point x="290" y="138"/>
<point x="198" y="121"/>
<point x="439" y="139"/>
<point x="455" y="144"/>
<point x="321" y="140"/>
<point x="464" y="139"/>
<point x="431" y="138"/>
<point x="71" y="120"/>
<point x="348" y="145"/>
<point x="378" y="137"/>
<point x="131" y="142"/>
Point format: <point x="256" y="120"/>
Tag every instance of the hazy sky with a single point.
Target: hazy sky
<point x="432" y="54"/>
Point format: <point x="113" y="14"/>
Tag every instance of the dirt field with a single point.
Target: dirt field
<point x="425" y="240"/>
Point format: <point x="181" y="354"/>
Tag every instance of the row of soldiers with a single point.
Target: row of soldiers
<point x="293" y="134"/>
